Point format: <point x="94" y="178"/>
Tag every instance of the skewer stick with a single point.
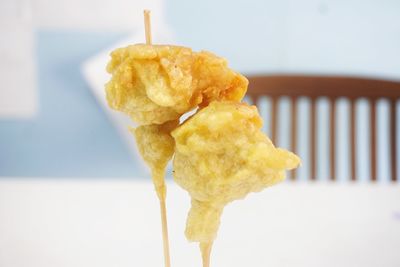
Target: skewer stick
<point x="161" y="196"/>
<point x="205" y="253"/>
<point x="147" y="26"/>
<point x="167" y="260"/>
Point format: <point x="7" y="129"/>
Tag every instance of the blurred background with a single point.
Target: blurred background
<point x="55" y="125"/>
<point x="53" y="122"/>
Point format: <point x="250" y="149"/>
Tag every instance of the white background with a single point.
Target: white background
<point x="71" y="223"/>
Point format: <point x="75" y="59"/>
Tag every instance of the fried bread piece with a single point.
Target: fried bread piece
<point x="222" y="155"/>
<point x="156" y="146"/>
<point x="154" y="84"/>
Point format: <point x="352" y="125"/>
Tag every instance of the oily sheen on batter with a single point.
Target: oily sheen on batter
<point x="220" y="152"/>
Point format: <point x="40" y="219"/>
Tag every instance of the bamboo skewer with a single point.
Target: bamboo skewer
<point x="163" y="210"/>
<point x="161" y="196"/>
<point x="147" y="26"/>
<point x="205" y="253"/>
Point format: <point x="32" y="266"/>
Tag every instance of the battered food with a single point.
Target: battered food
<point x="222" y="155"/>
<point x="156" y="146"/>
<point x="154" y="84"/>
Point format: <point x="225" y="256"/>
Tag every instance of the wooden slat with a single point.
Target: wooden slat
<point x="333" y="87"/>
<point x="274" y="119"/>
<point x="250" y="99"/>
<point x="393" y="139"/>
<point x="332" y="142"/>
<point x="256" y="101"/>
<point x="313" y="137"/>
<point x="353" y="139"/>
<point x="293" y="136"/>
<point x="372" y="103"/>
<point x="319" y="86"/>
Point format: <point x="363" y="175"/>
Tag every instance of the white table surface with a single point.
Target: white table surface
<point x="48" y="223"/>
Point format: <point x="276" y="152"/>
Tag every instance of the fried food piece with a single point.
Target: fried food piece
<point x="222" y="155"/>
<point x="156" y="146"/>
<point x="154" y="84"/>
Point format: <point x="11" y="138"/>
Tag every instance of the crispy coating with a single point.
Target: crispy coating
<point x="154" y="84"/>
<point x="156" y="146"/>
<point x="222" y="155"/>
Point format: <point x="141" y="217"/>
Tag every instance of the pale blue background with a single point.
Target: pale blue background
<point x="71" y="136"/>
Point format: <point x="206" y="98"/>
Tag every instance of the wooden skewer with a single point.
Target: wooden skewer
<point x="205" y="253"/>
<point x="147" y="26"/>
<point x="161" y="196"/>
<point x="163" y="209"/>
